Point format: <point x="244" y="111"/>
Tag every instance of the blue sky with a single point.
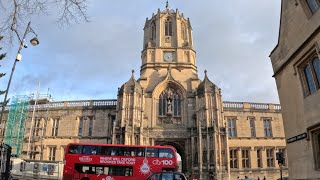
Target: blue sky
<point x="233" y="40"/>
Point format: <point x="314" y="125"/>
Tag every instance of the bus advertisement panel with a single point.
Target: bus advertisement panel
<point x="116" y="162"/>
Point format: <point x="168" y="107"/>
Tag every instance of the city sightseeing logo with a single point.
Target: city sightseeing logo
<point x="145" y="168"/>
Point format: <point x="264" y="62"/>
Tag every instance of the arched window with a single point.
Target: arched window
<point x="153" y="30"/>
<point x="169" y="103"/>
<point x="168" y="27"/>
<point x="308" y="76"/>
<point x="177" y="105"/>
<point x="162" y="105"/>
<point x="184" y="33"/>
<point x="316" y="67"/>
<point x="313" y="5"/>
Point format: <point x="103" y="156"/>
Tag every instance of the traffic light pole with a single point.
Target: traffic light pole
<point x="280" y="171"/>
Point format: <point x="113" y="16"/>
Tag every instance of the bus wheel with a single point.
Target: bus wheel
<point x="85" y="178"/>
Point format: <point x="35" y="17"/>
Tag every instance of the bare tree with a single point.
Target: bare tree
<point x="16" y="13"/>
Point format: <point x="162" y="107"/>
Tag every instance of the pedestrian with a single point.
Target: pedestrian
<point x="258" y="178"/>
<point x="264" y="178"/>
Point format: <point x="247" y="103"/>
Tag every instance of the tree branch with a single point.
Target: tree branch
<point x="16" y="13"/>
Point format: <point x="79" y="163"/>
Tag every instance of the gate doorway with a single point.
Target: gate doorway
<point x="179" y="146"/>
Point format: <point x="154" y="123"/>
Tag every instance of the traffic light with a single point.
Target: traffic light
<point x="280" y="158"/>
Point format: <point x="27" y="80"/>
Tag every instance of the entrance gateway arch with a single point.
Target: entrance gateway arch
<point x="179" y="145"/>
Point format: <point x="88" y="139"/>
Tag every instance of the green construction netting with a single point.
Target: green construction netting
<point x="15" y="126"/>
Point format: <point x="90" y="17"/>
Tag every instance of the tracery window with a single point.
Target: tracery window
<point x="169" y="103"/>
<point x="168" y="27"/>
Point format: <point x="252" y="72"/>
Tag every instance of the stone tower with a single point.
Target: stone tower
<point x="169" y="105"/>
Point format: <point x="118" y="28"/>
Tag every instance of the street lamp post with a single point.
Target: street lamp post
<point x="34" y="41"/>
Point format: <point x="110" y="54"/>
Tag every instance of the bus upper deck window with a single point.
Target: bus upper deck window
<point x="166" y="153"/>
<point x="89" y="150"/>
<point x="74" y="149"/>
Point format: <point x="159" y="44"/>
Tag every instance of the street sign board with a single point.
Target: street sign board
<point x="297" y="138"/>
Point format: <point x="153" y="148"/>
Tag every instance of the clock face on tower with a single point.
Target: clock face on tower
<point x="168" y="56"/>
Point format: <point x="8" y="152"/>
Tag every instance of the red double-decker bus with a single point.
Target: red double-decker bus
<point x="116" y="162"/>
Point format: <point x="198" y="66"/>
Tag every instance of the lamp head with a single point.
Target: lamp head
<point x="34" y="41"/>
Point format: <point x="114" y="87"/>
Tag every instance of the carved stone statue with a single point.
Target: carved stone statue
<point x="169" y="101"/>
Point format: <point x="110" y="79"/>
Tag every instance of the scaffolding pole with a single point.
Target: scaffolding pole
<point x="32" y="119"/>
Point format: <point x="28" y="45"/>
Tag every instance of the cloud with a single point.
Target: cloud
<point x="90" y="61"/>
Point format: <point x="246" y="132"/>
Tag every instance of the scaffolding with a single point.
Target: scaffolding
<point x="15" y="126"/>
<point x="38" y="124"/>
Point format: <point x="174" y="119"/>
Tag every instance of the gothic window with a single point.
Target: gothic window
<point x="136" y="139"/>
<point x="211" y="155"/>
<point x="162" y="105"/>
<point x="169" y="103"/>
<point x="184" y="33"/>
<point x="196" y="158"/>
<point x="204" y="157"/>
<point x="168" y="27"/>
<point x="313" y="5"/>
<point x="153" y="30"/>
<point x="310" y="72"/>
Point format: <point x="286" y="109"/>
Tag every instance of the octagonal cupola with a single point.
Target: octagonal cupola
<point x="167" y="28"/>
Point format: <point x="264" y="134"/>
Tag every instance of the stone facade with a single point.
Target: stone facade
<point x="168" y="105"/>
<point x="296" y="66"/>
<point x="56" y="124"/>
